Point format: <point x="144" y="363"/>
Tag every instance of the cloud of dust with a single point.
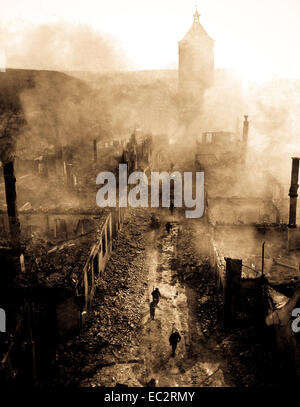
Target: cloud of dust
<point x="62" y="46"/>
<point x="273" y="109"/>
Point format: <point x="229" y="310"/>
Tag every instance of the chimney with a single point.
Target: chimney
<point x="95" y="150"/>
<point x="69" y="168"/>
<point x="293" y="194"/>
<point x="245" y="138"/>
<point x="59" y="160"/>
<point x="245" y="130"/>
<point x="11" y="201"/>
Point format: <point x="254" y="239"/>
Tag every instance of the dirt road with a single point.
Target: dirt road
<point x="198" y="360"/>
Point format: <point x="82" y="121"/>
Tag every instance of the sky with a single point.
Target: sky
<point x="258" y="39"/>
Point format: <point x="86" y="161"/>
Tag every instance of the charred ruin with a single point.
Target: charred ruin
<point x="76" y="279"/>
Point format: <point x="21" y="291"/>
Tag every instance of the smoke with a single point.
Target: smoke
<point x="275" y="125"/>
<point x="61" y="110"/>
<point x="222" y="106"/>
<point x="67" y="110"/>
<point x="56" y="108"/>
<point x="274" y="107"/>
<point x="140" y="99"/>
<point x="273" y="110"/>
<point x="64" y="47"/>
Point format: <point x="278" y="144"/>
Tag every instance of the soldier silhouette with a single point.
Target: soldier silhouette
<point x="174" y="339"/>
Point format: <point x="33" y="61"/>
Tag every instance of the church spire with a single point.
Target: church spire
<point x="196" y="16"/>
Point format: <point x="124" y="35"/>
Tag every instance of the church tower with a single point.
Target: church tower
<point x="196" y="61"/>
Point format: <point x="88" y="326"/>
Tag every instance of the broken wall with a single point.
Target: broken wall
<point x="235" y="211"/>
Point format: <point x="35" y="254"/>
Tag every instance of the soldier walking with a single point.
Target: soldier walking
<point x="168" y="227"/>
<point x="174" y="339"/>
<point x="156" y="295"/>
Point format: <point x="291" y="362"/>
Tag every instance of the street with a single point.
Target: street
<point x="117" y="355"/>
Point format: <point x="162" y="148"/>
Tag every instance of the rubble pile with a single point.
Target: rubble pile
<point x="192" y="258"/>
<point x="196" y="272"/>
<point x="249" y="361"/>
<point x="114" y="319"/>
<point x="51" y="264"/>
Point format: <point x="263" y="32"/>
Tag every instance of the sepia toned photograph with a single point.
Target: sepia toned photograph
<point x="149" y="177"/>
